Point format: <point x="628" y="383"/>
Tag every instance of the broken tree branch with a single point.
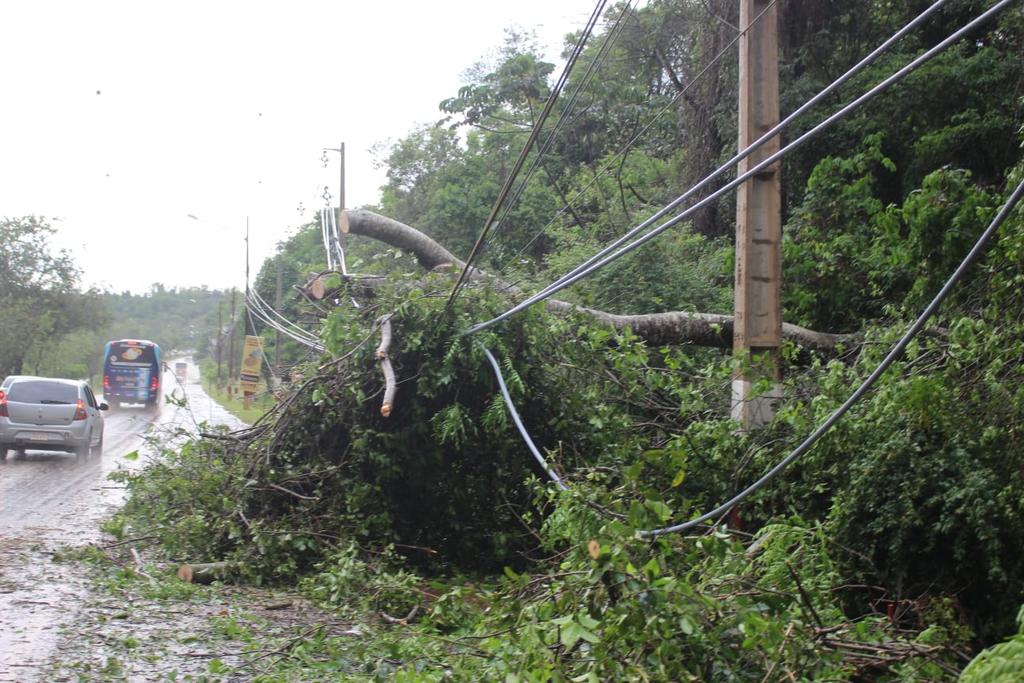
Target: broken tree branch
<point x="675" y="327"/>
<point x="390" y="386"/>
<point x="138" y="565"/>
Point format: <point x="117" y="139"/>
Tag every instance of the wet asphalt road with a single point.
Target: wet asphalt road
<point x="50" y="501"/>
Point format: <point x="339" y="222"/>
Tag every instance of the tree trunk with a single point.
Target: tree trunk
<point x="677" y="327"/>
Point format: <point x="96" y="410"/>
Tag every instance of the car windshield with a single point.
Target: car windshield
<point x="37" y="391"/>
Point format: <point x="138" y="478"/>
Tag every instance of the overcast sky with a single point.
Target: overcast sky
<point x="119" y="119"/>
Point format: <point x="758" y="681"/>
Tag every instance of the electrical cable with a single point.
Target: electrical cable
<point x="302" y="339"/>
<point x="266" y="361"/>
<point x="269" y="312"/>
<point x="304" y="342"/>
<point x="610" y="38"/>
<point x="340" y="249"/>
<point x="518" y="422"/>
<point x="581" y="271"/>
<point x="305" y="339"/>
<point x="267" y="309"/>
<point x="534" y="133"/>
<point x="857" y="68"/>
<point x="604" y="170"/>
<point x="327" y="241"/>
<point x="889" y="359"/>
<point x="336" y="236"/>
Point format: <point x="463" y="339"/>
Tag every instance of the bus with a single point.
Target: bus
<point x="132" y="372"/>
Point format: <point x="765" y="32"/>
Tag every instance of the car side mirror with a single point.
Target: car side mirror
<point x="104" y="406"/>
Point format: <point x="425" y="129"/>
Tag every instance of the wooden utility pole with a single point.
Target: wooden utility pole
<point x="231" y="346"/>
<point x="220" y="342"/>
<point x="250" y="329"/>
<point x="757" y="332"/>
<point x="277" y="307"/>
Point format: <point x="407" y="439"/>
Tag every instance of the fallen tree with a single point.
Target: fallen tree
<point x="675" y="327"/>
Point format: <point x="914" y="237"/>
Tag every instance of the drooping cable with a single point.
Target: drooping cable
<point x="295" y="332"/>
<point x="754" y="146"/>
<point x="566" y="115"/>
<point x="606" y="168"/>
<point x="336" y="241"/>
<point x="517" y="167"/>
<point x="301" y="340"/>
<point x="266" y="361"/>
<point x="327" y="240"/>
<point x="889" y="359"/>
<point x="268" y="311"/>
<point x="518" y="422"/>
<point x="582" y="271"/>
<point x="340" y="251"/>
<point x="301" y="336"/>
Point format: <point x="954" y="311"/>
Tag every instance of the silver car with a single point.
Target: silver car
<point x="46" y="414"/>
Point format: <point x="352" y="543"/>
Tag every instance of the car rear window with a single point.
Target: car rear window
<point x="38" y="391"/>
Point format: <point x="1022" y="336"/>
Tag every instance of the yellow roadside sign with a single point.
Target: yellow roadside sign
<point x="252" y="362"/>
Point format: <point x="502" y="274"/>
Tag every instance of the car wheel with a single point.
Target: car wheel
<point x="97" y="450"/>
<point x="83" y="450"/>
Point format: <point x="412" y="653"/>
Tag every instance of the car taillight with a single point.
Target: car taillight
<point x="3" y="404"/>
<point x="106" y="382"/>
<point x="80" y="410"/>
<point x="153" y="383"/>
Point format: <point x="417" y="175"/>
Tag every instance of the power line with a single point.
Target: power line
<point x="594" y="264"/>
<point x="534" y="133"/>
<point x="266" y="361"/>
<point x="606" y="168"/>
<point x="756" y="144"/>
<point x="610" y="38"/>
<point x="324" y="233"/>
<point x="268" y="311"/>
<point x="889" y="359"/>
<point x="518" y="422"/>
<point x="253" y="304"/>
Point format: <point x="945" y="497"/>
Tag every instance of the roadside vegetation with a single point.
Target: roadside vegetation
<point x="232" y="399"/>
<point x="51" y="325"/>
<point x="889" y="552"/>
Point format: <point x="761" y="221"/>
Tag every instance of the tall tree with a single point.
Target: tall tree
<point x="40" y="299"/>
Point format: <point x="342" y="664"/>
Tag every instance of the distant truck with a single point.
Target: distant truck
<point x="181" y="371"/>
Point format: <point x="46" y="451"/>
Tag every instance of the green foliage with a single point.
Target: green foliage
<point x="515" y="88"/>
<point x="181" y="319"/>
<point x="849" y="257"/>
<point x="827" y="253"/>
<point x="1000" y="663"/>
<point x="885" y="549"/>
<point x="40" y="300"/>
